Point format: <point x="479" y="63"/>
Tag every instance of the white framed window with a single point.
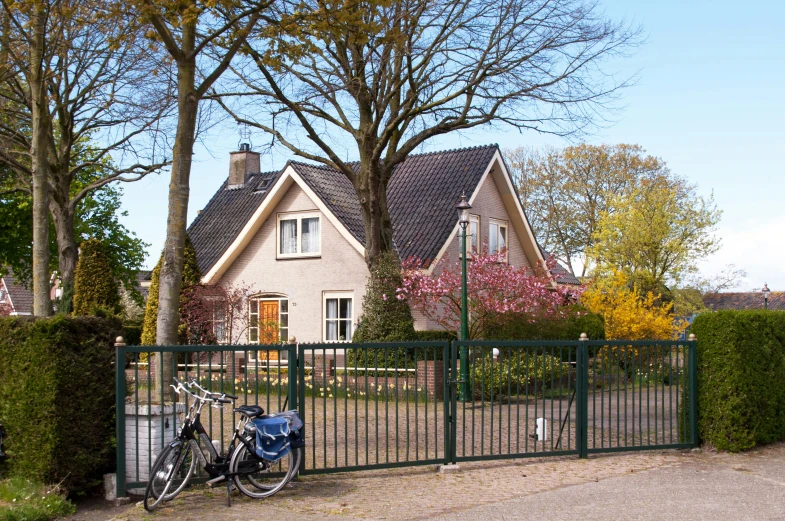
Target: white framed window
<point x="338" y="316"/>
<point x="3" y="296"/>
<point x="268" y="320"/>
<point x="299" y="235"/>
<point x="497" y="236"/>
<point x="218" y="323"/>
<point x="474" y="232"/>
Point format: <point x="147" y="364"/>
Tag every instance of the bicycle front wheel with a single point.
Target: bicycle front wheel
<point x="169" y="475"/>
<point x="258" y="478"/>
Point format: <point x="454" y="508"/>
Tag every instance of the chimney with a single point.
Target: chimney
<point x="242" y="163"/>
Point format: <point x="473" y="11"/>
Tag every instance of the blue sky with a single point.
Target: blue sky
<point x="710" y="101"/>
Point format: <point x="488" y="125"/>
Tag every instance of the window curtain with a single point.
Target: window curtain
<point x="332" y="316"/>
<point x="289" y="236"/>
<point x="310" y="235"/>
<point x="493" y="238"/>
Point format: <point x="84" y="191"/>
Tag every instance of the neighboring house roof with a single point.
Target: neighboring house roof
<point x="21" y="298"/>
<point x="748" y="300"/>
<point x="143" y="280"/>
<point x="560" y="273"/>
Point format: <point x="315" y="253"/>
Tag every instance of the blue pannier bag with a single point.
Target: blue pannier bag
<point x="296" y="429"/>
<point x="272" y="437"/>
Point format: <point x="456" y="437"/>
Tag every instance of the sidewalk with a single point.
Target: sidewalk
<point x="649" y="486"/>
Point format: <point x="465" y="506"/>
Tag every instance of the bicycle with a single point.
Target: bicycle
<point x="176" y="464"/>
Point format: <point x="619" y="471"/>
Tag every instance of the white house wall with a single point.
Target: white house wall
<point x="303" y="280"/>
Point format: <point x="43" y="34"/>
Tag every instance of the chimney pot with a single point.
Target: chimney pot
<point x="242" y="163"/>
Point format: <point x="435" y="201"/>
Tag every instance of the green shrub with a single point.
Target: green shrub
<point x="741" y="378"/>
<point x="29" y="501"/>
<point x="94" y="284"/>
<point x="521" y="327"/>
<point x="132" y="332"/>
<point x="517" y="374"/>
<point x="57" y="398"/>
<point x="435" y="335"/>
<point x="191" y="277"/>
<point x="384" y="317"/>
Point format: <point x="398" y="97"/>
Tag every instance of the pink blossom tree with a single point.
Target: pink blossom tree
<point x="495" y="289"/>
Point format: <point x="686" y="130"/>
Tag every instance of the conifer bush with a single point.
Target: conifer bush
<point x="94" y="284"/>
<point x="192" y="276"/>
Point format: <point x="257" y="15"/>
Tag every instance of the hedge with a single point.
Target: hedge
<point x="569" y="328"/>
<point x="57" y="399"/>
<point x="741" y="378"/>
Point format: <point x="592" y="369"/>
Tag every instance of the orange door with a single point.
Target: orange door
<point x="268" y="326"/>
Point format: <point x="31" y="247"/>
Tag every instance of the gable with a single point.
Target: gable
<point x="266" y="210"/>
<point x="495" y="197"/>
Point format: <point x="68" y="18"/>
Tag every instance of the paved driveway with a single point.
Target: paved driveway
<point x="650" y="486"/>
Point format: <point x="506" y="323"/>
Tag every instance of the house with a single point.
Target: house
<point x="15" y="299"/>
<point x="296" y="235"/>
<point x="744" y="300"/>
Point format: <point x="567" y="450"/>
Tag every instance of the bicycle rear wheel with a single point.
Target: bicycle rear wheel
<point x="169" y="475"/>
<point x="259" y="478"/>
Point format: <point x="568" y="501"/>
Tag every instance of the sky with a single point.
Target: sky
<point x="709" y="100"/>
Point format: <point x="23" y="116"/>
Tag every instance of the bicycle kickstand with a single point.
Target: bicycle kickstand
<point x="228" y="492"/>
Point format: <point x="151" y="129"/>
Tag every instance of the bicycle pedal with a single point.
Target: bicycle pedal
<point x="215" y="481"/>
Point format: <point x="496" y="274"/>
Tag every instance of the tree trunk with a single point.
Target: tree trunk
<point x="67" y="250"/>
<point x="172" y="265"/>
<point x="372" y="193"/>
<point x="40" y="167"/>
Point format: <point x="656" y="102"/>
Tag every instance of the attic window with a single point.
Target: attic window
<point x="263" y="185"/>
<point x="2" y="295"/>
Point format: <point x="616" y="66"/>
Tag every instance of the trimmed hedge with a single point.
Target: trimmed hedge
<point x="57" y="398"/>
<point x="570" y="328"/>
<point x="741" y="378"/>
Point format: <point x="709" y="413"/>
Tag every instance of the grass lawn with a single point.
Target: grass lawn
<point x="22" y="500"/>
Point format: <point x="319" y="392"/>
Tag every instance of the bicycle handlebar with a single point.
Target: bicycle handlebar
<point x="208" y="396"/>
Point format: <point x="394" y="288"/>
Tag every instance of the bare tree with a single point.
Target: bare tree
<point x="201" y="38"/>
<point x="381" y="78"/>
<point x="103" y="114"/>
<point x="25" y="28"/>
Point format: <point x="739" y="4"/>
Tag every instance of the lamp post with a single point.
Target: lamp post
<point x="765" y="292"/>
<point x="463" y="208"/>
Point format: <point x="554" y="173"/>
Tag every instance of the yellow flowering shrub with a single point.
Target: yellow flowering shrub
<point x="627" y="315"/>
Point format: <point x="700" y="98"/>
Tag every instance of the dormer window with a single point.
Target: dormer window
<point x="299" y="235"/>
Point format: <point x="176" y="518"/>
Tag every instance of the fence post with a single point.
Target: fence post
<point x="119" y="365"/>
<point x="582" y="386"/>
<point x="693" y="393"/>
<point x="293" y="375"/>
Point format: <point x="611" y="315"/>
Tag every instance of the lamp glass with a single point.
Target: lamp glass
<point x="465" y="216"/>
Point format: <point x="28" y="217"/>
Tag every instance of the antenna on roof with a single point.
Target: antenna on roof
<point x="245" y="144"/>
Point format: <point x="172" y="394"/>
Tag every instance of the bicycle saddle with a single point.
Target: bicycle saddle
<point x="251" y="411"/>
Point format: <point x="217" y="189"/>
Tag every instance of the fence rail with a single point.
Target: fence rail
<point x="368" y="406"/>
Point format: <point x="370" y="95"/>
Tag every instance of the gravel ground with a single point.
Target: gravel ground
<point x="651" y="485"/>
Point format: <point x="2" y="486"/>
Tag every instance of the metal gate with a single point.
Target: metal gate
<point x="370" y="406"/>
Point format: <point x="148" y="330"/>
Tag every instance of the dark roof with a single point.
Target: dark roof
<point x="750" y="300"/>
<point x="561" y="274"/>
<point x="421" y="196"/>
<point x="220" y="222"/>
<point x="21" y="297"/>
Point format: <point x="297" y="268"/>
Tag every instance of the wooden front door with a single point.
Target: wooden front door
<point x="268" y="325"/>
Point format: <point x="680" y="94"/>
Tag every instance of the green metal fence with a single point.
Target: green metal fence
<point x="368" y="406"/>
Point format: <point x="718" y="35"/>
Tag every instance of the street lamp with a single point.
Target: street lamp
<point x="463" y="208"/>
<point x="765" y="292"/>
